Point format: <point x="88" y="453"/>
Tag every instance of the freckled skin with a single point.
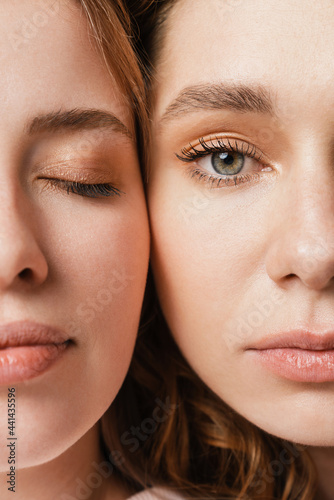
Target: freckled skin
<point x="86" y="258"/>
<point x="236" y="263"/>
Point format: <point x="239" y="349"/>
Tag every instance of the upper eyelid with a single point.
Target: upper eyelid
<point x="74" y="186"/>
<point x="74" y="172"/>
<point x="216" y="144"/>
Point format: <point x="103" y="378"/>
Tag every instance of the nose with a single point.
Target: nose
<point x="302" y="229"/>
<point x="22" y="261"/>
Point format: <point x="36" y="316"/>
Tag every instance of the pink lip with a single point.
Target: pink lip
<point x="301" y="356"/>
<point x="28" y="349"/>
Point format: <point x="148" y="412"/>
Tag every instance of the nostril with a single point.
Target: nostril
<point x="26" y="274"/>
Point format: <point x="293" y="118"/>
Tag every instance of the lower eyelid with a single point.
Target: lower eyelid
<point x="221" y="181"/>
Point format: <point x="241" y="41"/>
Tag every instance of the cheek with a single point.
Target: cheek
<point x="98" y="262"/>
<point x="102" y="266"/>
<point x="207" y="256"/>
<point x="92" y="249"/>
<point x="208" y="259"/>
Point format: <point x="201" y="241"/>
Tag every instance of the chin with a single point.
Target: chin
<point x="305" y="428"/>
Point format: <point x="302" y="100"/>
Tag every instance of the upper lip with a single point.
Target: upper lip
<point x="300" y="339"/>
<point x="23" y="333"/>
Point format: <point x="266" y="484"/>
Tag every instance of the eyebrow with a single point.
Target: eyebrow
<point x="238" y="98"/>
<point x="75" y="120"/>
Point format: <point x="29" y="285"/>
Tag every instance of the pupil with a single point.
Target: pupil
<point x="227" y="158"/>
<point x="227" y="163"/>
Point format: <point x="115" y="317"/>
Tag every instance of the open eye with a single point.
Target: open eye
<point x="224" y="163"/>
<point x="221" y="162"/>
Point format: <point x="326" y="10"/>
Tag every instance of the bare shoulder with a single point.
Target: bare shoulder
<point x="117" y="490"/>
<point x="157" y="494"/>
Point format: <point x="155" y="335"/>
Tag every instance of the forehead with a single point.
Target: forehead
<point x="282" y="45"/>
<point x="50" y="61"/>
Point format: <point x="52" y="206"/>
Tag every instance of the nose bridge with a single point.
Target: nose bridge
<point x="302" y="242"/>
<point x="21" y="257"/>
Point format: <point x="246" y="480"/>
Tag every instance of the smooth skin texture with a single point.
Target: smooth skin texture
<point x="236" y="263"/>
<point x="84" y="259"/>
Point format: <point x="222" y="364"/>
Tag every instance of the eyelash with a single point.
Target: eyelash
<point x="190" y="154"/>
<point x="87" y="190"/>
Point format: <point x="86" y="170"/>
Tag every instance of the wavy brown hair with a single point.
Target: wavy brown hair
<point x="202" y="447"/>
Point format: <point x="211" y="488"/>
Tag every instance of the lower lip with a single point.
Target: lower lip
<point x="28" y="361"/>
<point x="299" y="365"/>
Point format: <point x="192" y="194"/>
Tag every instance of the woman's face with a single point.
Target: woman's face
<point x="72" y="258"/>
<point x="244" y="266"/>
